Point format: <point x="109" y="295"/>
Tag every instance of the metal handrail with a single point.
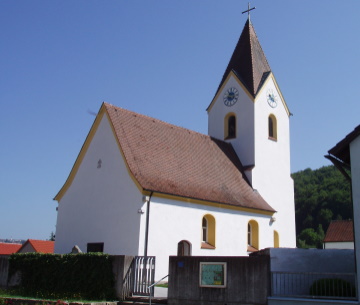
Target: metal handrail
<point x="152" y="285"/>
<point x="126" y="285"/>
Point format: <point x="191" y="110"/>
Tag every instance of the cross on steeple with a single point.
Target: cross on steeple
<point x="248" y="10"/>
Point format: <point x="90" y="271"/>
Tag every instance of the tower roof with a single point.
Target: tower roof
<point x="248" y="61"/>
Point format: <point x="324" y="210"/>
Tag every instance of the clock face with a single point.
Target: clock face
<point x="271" y="98"/>
<point x="231" y="96"/>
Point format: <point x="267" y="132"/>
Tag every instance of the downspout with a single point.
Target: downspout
<point x="148" y="198"/>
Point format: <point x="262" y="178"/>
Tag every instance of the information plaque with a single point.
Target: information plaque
<point x="213" y="275"/>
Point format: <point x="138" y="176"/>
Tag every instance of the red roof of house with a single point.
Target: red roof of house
<point x="172" y="160"/>
<point x="42" y="246"/>
<point x="340" y="231"/>
<point x="9" y="248"/>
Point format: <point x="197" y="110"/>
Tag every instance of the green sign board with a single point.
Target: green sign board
<point x="213" y="275"/>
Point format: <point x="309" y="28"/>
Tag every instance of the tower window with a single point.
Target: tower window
<point x="230" y="126"/>
<point x="272" y="127"/>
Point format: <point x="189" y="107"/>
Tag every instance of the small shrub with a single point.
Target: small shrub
<point x="332" y="288"/>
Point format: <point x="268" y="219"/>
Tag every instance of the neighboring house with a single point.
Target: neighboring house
<point x="141" y="186"/>
<point x="9" y="248"/>
<point x="40" y="246"/>
<point x="339" y="235"/>
<point x="345" y="155"/>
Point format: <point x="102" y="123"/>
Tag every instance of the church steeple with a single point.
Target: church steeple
<point x="248" y="61"/>
<point x="249" y="112"/>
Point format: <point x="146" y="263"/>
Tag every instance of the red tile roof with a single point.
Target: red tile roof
<point x="340" y="231"/>
<point x="172" y="160"/>
<point x="9" y="248"/>
<point x="41" y="246"/>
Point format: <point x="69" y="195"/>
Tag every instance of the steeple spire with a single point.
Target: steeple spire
<point x="248" y="60"/>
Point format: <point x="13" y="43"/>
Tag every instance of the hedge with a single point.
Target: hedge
<point x="86" y="276"/>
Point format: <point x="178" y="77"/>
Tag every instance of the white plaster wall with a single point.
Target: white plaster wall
<point x="339" y="245"/>
<point x="172" y="221"/>
<point x="101" y="204"/>
<point x="355" y="180"/>
<point x="271" y="175"/>
<point x="244" y="110"/>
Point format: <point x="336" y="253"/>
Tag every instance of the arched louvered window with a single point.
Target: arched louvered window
<point x="272" y="127"/>
<point x="230" y="126"/>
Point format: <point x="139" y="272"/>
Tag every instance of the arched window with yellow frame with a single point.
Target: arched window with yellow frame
<point x="208" y="232"/>
<point x="276" y="239"/>
<point x="253" y="236"/>
<point x="272" y="122"/>
<point x="230" y="126"/>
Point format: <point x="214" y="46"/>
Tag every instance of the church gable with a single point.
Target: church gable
<point x="231" y="81"/>
<point x="271" y="95"/>
<point x="96" y="159"/>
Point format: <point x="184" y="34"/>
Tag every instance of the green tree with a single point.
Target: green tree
<point x="321" y="195"/>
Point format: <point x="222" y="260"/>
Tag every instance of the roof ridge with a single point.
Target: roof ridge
<point x="252" y="57"/>
<point x="158" y="120"/>
<point x="255" y="62"/>
<point x="267" y="62"/>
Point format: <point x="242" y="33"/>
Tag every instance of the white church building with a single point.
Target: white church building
<point x="140" y="186"/>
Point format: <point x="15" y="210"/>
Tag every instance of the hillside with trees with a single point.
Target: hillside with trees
<point x="321" y="195"/>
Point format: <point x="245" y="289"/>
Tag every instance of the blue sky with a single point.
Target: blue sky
<point x="60" y="60"/>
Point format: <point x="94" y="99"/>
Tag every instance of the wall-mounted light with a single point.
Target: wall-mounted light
<point x="140" y="211"/>
<point x="273" y="219"/>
